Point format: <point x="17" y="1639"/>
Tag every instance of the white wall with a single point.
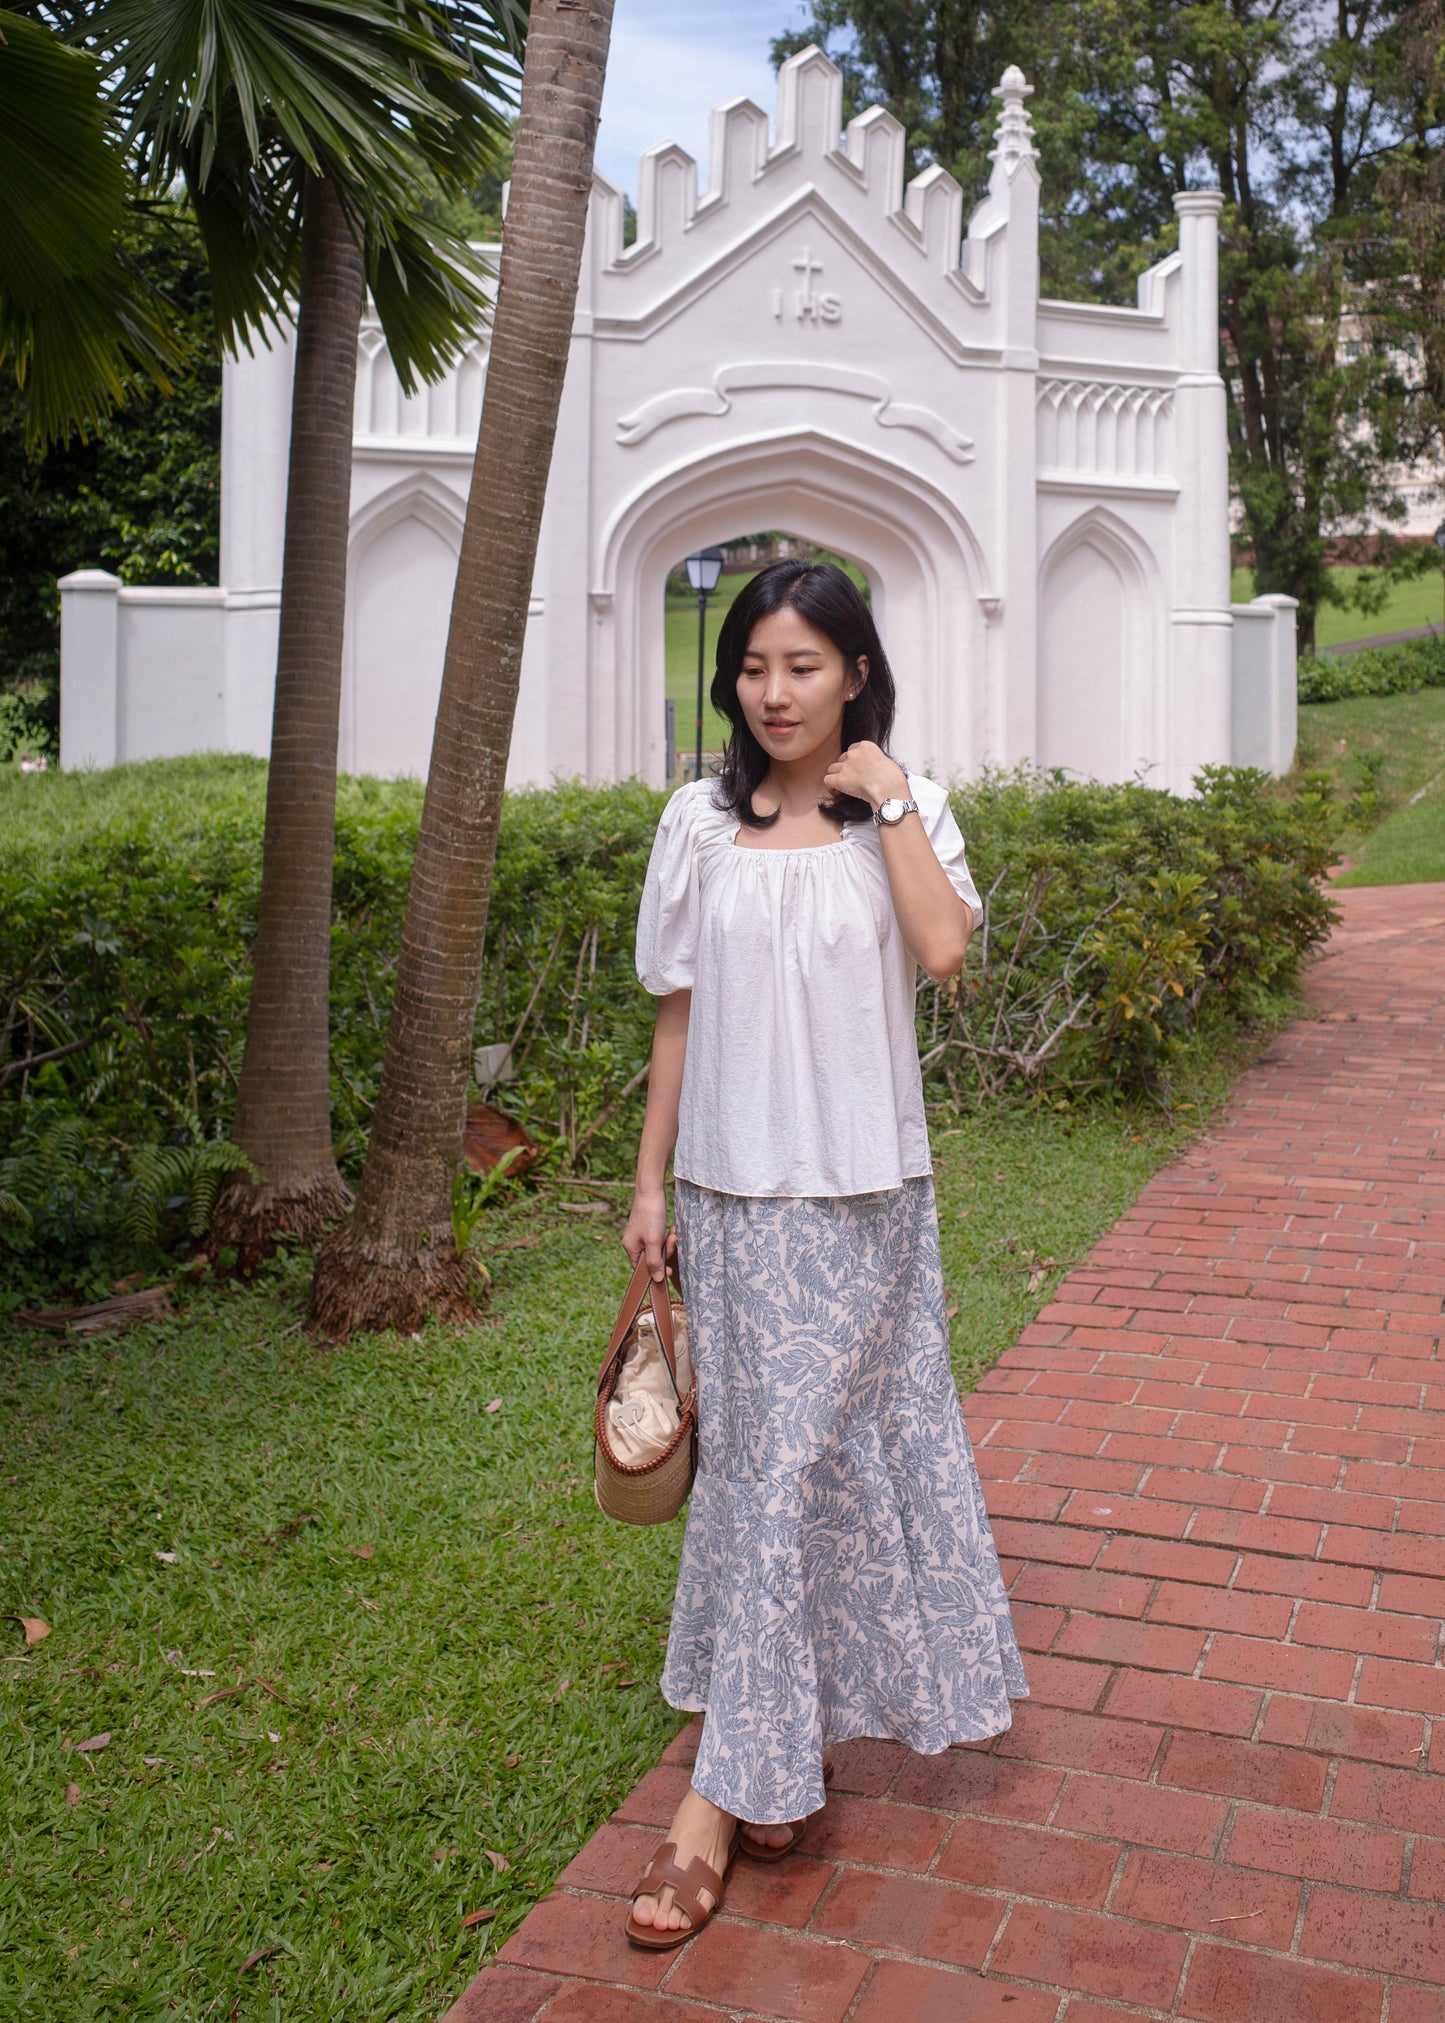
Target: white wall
<point x="155" y="673"/>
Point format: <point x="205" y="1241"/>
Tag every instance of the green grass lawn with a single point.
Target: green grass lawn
<point x="680" y="631"/>
<point x="1404" y="735"/>
<point x="1419" y="602"/>
<point x="398" y="1667"/>
<point x="1408" y="848"/>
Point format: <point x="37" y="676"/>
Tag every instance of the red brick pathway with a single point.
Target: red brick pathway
<point x="1217" y="1470"/>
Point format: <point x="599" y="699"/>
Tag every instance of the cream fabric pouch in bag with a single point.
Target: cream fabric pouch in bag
<point x="642" y="1415"/>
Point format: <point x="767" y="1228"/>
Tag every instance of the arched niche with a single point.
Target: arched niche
<point x="1099" y="648"/>
<point x="919" y="554"/>
<point x="400" y="573"/>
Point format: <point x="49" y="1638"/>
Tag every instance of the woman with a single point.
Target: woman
<point x="838" y="1573"/>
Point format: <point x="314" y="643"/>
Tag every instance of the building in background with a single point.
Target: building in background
<point x="1036" y="490"/>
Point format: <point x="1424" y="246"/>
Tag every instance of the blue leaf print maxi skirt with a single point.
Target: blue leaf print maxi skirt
<point x="838" y="1575"/>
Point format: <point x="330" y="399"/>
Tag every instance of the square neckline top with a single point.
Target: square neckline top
<point x="801" y="1075"/>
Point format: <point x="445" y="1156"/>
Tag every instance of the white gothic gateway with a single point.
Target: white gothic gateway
<point x="1037" y="490"/>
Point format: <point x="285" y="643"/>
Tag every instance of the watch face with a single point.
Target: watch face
<point x="891" y="810"/>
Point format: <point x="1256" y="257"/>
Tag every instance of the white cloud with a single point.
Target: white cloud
<point x="671" y="62"/>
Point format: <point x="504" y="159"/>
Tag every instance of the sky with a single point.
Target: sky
<point x="671" y="62"/>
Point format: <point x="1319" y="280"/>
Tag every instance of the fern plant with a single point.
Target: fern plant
<point x="76" y="1201"/>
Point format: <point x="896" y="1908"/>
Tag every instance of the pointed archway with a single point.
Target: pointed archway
<point x="1100" y="714"/>
<point x="401" y="568"/>
<point x="930" y="592"/>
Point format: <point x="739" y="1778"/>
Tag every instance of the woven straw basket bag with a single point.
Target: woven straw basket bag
<point x="645" y="1426"/>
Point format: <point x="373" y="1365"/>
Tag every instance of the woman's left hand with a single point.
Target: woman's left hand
<point x="866" y="773"/>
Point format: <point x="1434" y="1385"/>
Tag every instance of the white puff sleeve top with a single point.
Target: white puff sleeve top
<point x="802" y="1073"/>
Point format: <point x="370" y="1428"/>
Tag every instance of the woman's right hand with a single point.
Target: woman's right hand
<point x="647" y="1234"/>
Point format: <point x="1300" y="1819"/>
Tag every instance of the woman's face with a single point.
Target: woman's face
<point x="793" y="685"/>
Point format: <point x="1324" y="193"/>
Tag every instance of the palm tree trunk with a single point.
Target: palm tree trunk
<point x="394" y="1260"/>
<point x="283" y="1111"/>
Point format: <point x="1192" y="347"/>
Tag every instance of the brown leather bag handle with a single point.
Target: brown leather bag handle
<point x="640" y="1287"/>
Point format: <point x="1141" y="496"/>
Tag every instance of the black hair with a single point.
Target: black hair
<point x="832" y="604"/>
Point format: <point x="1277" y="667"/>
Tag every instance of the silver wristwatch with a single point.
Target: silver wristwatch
<point x="893" y="810"/>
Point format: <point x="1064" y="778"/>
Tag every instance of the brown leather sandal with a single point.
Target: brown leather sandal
<point x="686" y="1884"/>
<point x="759" y="1850"/>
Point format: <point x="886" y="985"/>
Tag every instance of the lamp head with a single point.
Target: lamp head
<point x="704" y="568"/>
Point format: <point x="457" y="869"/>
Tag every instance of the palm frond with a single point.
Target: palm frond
<point x="82" y="327"/>
<point x="432" y="292"/>
<point x="357" y="90"/>
<point x="245" y="98"/>
<point x="64" y="183"/>
<point x="249" y="217"/>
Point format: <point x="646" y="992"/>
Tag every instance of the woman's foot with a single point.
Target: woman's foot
<point x="770" y="1836"/>
<point x="699" y="1828"/>
<point x="771" y="1843"/>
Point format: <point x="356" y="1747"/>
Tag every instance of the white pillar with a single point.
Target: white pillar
<point x="1014" y="183"/>
<point x="89" y="668"/>
<point x="255" y="456"/>
<point x="1200" y="703"/>
<point x="255" y="451"/>
<point x="1285" y="673"/>
<point x="1265" y="686"/>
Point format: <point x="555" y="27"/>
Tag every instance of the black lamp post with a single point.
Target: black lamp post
<point x="703" y="570"/>
<point x="1440" y="540"/>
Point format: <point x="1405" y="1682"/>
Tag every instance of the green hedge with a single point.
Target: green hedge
<point x="1374" y="670"/>
<point x="1120" y="920"/>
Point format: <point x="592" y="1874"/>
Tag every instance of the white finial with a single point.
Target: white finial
<point x="1015" y="138"/>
